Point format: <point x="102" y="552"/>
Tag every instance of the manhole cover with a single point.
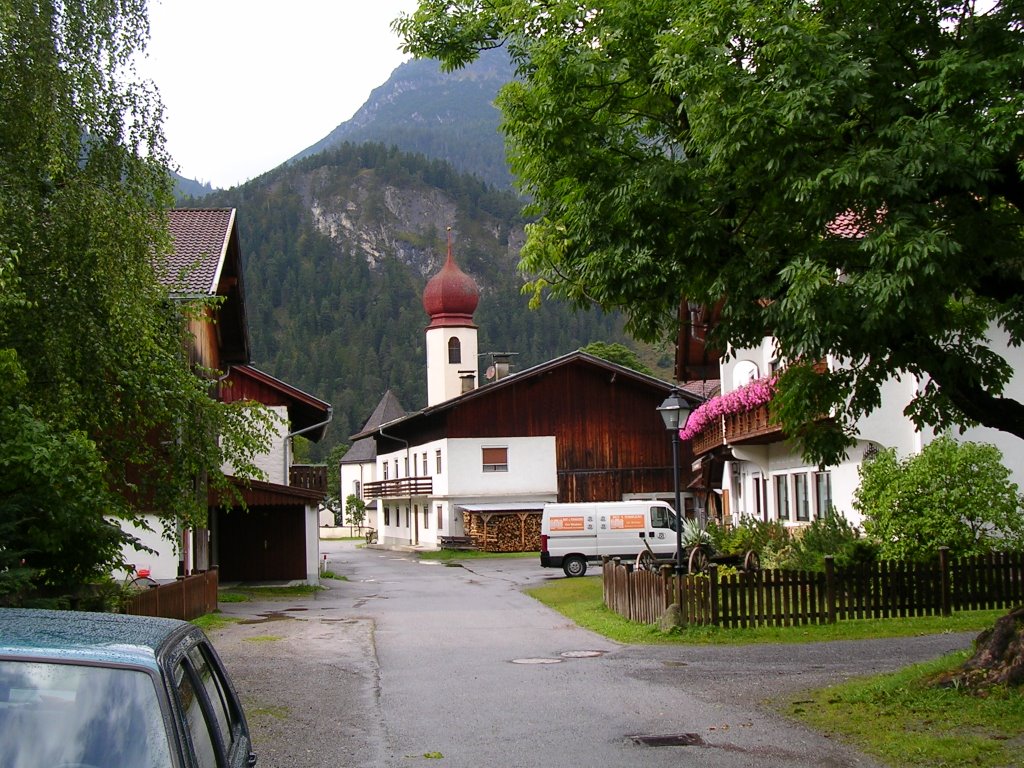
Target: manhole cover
<point x="536" y="661"/>
<point x="581" y="654"/>
<point x="669" y="740"/>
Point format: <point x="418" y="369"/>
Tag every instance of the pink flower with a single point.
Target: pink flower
<point x="745" y="398"/>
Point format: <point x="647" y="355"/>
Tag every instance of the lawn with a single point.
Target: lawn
<point x="899" y="718"/>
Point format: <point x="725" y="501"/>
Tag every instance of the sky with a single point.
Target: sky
<point x="247" y="84"/>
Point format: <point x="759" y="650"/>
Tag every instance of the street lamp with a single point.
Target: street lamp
<point x="674" y="412"/>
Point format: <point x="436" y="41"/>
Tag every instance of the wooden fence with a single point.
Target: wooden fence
<point x="788" y="598"/>
<point x="186" y="599"/>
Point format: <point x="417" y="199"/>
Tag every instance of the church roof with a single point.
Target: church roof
<point x="451" y="296"/>
<point x="365" y="449"/>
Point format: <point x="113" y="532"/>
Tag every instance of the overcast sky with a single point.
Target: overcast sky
<point x="247" y="84"/>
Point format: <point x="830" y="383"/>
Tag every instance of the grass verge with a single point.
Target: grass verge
<point x="455" y="555"/>
<point x="903" y="721"/>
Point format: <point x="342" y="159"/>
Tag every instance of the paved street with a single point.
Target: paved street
<point x="408" y="662"/>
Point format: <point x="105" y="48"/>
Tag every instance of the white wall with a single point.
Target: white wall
<point x="443" y="378"/>
<point x="531" y="475"/>
<point x="163" y="565"/>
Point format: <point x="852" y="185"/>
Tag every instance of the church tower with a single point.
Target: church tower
<point x="450" y="299"/>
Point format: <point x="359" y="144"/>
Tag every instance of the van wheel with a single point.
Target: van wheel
<point x="574" y="565"/>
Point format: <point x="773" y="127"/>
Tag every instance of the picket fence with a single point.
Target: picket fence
<point x="186" y="598"/>
<point x="790" y="598"/>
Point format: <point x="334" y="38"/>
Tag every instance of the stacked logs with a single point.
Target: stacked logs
<point x="504" y="531"/>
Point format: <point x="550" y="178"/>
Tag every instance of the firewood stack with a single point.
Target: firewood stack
<point x="504" y="531"/>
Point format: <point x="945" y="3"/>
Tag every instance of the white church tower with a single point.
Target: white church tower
<point x="450" y="299"/>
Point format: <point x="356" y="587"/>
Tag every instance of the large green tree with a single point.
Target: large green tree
<point x="104" y="392"/>
<point x="846" y="176"/>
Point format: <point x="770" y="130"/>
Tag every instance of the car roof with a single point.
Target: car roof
<point x="104" y="638"/>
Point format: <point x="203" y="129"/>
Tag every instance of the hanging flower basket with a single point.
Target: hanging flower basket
<point x="741" y="400"/>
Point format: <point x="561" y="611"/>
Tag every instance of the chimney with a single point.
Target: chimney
<point x="468" y="379"/>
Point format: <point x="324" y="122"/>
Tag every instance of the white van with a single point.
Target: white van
<point x="571" y="535"/>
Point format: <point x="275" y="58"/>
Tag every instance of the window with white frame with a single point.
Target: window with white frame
<point x="803" y="502"/>
<point x="823" y="494"/>
<point x="425" y="470"/>
<point x="437" y="461"/>
<point x="387" y="516"/>
<point x="439" y="517"/>
<point x="384" y="470"/>
<point x="454" y="350"/>
<point x="782" y="496"/>
<point x="495" y="459"/>
<point x="357" y="489"/>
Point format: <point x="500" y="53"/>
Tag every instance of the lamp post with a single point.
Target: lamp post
<point x="674" y="412"/>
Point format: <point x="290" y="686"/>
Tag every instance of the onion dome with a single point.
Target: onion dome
<point x="451" y="295"/>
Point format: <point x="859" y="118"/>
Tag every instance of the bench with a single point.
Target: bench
<point x="457" y="542"/>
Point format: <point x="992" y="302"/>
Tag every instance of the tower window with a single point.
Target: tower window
<point x="454" y="350"/>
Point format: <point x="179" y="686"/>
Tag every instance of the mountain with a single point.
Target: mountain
<point x="338" y="248"/>
<point x="448" y="116"/>
<point x="185" y="188"/>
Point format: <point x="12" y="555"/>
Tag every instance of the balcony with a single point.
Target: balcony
<point x="308" y="476"/>
<point x="752" y="427"/>
<point x="709" y="438"/>
<point x="401" y="488"/>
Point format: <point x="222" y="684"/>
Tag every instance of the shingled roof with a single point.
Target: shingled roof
<point x="365" y="449"/>
<point x="206" y="261"/>
<point x="201" y="247"/>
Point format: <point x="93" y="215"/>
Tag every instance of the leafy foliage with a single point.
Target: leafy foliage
<point x="802" y="548"/>
<point x="846" y="175"/>
<point x="103" y="417"/>
<point x="955" y="495"/>
<point x="619" y="354"/>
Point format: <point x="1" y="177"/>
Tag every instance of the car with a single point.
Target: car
<point x="103" y="690"/>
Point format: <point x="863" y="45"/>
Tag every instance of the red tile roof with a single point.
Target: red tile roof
<point x="201" y="239"/>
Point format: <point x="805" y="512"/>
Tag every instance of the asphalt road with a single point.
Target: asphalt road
<point x="409" y="663"/>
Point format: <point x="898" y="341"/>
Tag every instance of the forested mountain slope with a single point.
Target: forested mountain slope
<point x="338" y="248"/>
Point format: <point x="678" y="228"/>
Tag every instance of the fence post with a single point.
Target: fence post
<point x="830" y="588"/>
<point x="945" y="582"/>
<point x="713" y="592"/>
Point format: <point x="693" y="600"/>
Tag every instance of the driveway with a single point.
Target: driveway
<point x="408" y="663"/>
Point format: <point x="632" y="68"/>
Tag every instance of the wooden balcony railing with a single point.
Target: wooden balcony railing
<point x="754" y="426"/>
<point x="709" y="438"/>
<point x="308" y="476"/>
<point x="403" y="487"/>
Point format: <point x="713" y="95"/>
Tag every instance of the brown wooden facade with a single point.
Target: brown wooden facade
<point x="610" y="438"/>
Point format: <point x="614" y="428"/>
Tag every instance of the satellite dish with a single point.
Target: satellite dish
<point x="490" y="372"/>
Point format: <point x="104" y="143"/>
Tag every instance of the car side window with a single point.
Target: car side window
<point x="209" y="679"/>
<point x="204" y="743"/>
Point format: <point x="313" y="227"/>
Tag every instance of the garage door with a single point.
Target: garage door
<point x="262" y="544"/>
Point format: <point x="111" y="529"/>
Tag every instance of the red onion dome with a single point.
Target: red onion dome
<point x="451" y="295"/>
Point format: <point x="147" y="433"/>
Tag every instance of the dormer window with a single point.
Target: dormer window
<point x="454" y="350"/>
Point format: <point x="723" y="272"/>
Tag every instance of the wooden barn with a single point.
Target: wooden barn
<point x="481" y="465"/>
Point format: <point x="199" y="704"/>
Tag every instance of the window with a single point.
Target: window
<point x="426" y="517"/>
<point x="357" y="489"/>
<point x="439" y="517"/>
<point x="384" y="469"/>
<point x="454" y="350"/>
<point x="823" y="494"/>
<point x="203" y="741"/>
<point x="803" y="503"/>
<point x="396" y="470"/>
<point x="495" y="459"/>
<point x="662" y="518"/>
<point x="425" y="470"/>
<point x="407" y="466"/>
<point x="782" y="496"/>
<point x="387" y="516"/>
<point x="437" y="460"/>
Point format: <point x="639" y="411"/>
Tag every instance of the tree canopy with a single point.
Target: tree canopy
<point x="102" y="417"/>
<point x="846" y="176"/>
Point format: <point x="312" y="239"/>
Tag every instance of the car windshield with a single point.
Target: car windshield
<point x="71" y="714"/>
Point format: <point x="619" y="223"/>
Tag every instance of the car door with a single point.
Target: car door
<point x="217" y="732"/>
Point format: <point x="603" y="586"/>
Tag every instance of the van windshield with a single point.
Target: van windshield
<point x="662" y="517"/>
<point x="70" y="714"/>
